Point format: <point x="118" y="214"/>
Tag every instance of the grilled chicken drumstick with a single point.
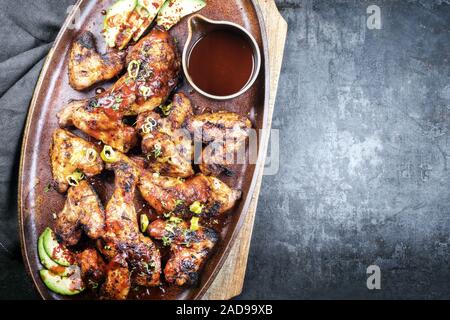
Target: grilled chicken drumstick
<point x="124" y="245"/>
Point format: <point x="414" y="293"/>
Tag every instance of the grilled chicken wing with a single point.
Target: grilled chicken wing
<point x="87" y="67"/>
<point x="167" y="146"/>
<point x="153" y="71"/>
<point x="69" y="153"/>
<point x="92" y="267"/>
<point x="189" y="249"/>
<point x="123" y="239"/>
<point x="225" y="132"/>
<point x="82" y="212"/>
<point x="166" y="194"/>
<point x="99" y="124"/>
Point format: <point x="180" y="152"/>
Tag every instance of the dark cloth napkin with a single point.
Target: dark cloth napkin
<point x="27" y="30"/>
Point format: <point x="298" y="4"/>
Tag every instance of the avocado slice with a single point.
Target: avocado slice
<point x="150" y="9"/>
<point x="67" y="286"/>
<point x="174" y="10"/>
<point x="56" y="251"/>
<point x="116" y="20"/>
<point x="49" y="264"/>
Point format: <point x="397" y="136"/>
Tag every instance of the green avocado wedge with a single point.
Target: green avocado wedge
<point x="49" y="264"/>
<point x="151" y="9"/>
<point x="67" y="286"/>
<point x="56" y="251"/>
<point x="116" y="20"/>
<point x="174" y="10"/>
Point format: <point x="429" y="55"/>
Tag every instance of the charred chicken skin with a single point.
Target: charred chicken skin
<point x="87" y="67"/>
<point x="69" y="153"/>
<point x="152" y="73"/>
<point x="166" y="145"/>
<point x="124" y="245"/>
<point x="166" y="194"/>
<point x="118" y="283"/>
<point x="92" y="267"/>
<point x="189" y="249"/>
<point x="100" y="124"/>
<point x="82" y="212"/>
<point x="224" y="133"/>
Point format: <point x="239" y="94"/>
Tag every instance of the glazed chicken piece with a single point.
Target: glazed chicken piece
<point x="225" y="133"/>
<point x="92" y="267"/>
<point x="82" y="212"/>
<point x="69" y="153"/>
<point x="166" y="145"/>
<point x="189" y="249"/>
<point x="124" y="245"/>
<point x="87" y="67"/>
<point x="153" y="68"/>
<point x="153" y="71"/>
<point x="99" y="123"/>
<point x="117" y="284"/>
<point x="166" y="194"/>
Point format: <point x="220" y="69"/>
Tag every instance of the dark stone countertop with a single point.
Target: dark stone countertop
<point x="364" y="120"/>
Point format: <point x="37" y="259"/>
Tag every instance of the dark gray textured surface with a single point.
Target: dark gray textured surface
<point x="364" y="119"/>
<point x="364" y="129"/>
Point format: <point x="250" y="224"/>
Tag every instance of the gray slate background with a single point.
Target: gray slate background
<point x="364" y="137"/>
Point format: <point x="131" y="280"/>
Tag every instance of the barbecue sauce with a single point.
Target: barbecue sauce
<point x="221" y="63"/>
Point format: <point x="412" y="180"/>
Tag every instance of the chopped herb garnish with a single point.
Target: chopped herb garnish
<point x="166" y="241"/>
<point x="166" y="109"/>
<point x="196" y="207"/>
<point x="157" y="152"/>
<point x="167" y="215"/>
<point x="175" y="220"/>
<point x="48" y="188"/>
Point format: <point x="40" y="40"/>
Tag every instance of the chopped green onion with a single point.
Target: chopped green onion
<point x="91" y="155"/>
<point x="145" y="91"/>
<point x="75" y="178"/>
<point x="166" y="109"/>
<point x="133" y="69"/>
<point x="157" y="152"/>
<point x="196" y="207"/>
<point x="109" y="155"/>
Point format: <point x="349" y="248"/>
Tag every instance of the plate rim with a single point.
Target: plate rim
<point x="259" y="166"/>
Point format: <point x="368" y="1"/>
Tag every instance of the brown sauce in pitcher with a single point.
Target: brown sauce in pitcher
<point x="221" y="63"/>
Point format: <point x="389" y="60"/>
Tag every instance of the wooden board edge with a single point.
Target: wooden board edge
<point x="230" y="280"/>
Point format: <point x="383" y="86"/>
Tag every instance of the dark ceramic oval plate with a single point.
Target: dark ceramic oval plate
<point x="36" y="206"/>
